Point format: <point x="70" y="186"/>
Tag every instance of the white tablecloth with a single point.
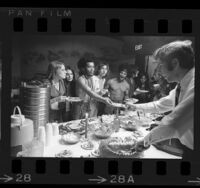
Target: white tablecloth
<point x="57" y="146"/>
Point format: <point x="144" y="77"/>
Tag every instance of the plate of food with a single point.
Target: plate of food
<point x="131" y="100"/>
<point x="118" y="105"/>
<point x="73" y="99"/>
<point x="129" y="125"/>
<point x="87" y="145"/>
<point x="95" y="153"/>
<point x="64" y="153"/>
<point x="76" y="126"/>
<point x="141" y="90"/>
<point x="156" y="85"/>
<point x="138" y="134"/>
<point x="70" y="138"/>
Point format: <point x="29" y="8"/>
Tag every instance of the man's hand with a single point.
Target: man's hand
<point x="140" y="146"/>
<point x="130" y="106"/>
<point x="58" y="99"/>
<point x="103" y="92"/>
<point x="62" y="98"/>
<point x="107" y="101"/>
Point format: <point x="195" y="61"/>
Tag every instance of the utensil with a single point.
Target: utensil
<point x="138" y="114"/>
<point x="86" y="124"/>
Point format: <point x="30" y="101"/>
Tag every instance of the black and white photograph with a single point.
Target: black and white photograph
<point x="0" y="83"/>
<point x="90" y="96"/>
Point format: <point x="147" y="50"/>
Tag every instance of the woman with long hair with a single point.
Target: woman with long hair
<point x="56" y="74"/>
<point x="70" y="85"/>
<point x="144" y="84"/>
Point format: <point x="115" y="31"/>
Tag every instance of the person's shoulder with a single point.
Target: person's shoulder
<point x="111" y="80"/>
<point x="129" y="80"/>
<point x="80" y="79"/>
<point x="127" y="83"/>
<point x="95" y="77"/>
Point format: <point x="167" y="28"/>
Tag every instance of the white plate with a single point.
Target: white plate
<point x="142" y="91"/>
<point x="132" y="100"/>
<point x="73" y="99"/>
<point x="118" y="105"/>
<point x="156" y="85"/>
<point x="75" y="126"/>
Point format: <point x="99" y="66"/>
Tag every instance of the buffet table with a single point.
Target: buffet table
<point x="77" y="151"/>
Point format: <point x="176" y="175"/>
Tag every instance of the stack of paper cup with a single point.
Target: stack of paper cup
<point x="49" y="134"/>
<point x="55" y="129"/>
<point x="42" y="134"/>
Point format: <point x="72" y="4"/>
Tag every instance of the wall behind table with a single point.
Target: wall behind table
<point x="32" y="54"/>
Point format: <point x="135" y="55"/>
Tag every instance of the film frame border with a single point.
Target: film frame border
<point x="184" y="171"/>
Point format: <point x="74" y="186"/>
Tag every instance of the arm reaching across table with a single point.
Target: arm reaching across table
<point x="163" y="105"/>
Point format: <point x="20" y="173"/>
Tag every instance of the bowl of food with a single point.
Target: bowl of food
<point x="70" y="138"/>
<point x="103" y="132"/>
<point x="129" y="125"/>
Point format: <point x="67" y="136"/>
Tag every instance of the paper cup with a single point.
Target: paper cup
<point x="42" y="134"/>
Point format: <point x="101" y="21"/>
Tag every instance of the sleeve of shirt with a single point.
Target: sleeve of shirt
<point x="175" y="124"/>
<point x="163" y="105"/>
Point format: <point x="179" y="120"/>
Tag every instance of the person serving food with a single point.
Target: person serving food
<point x="176" y="64"/>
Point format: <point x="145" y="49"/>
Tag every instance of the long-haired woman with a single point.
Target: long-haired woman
<point x="56" y="74"/>
<point x="70" y="85"/>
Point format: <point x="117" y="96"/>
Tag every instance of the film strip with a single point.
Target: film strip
<point x="32" y="38"/>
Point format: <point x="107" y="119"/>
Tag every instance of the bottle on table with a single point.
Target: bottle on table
<point x="116" y="121"/>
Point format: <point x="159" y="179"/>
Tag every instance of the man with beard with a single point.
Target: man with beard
<point x="88" y="89"/>
<point x="118" y="88"/>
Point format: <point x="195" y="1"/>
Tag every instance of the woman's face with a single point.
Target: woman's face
<point x="69" y="75"/>
<point x="61" y="72"/>
<point x="103" y="71"/>
<point x="143" y="79"/>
